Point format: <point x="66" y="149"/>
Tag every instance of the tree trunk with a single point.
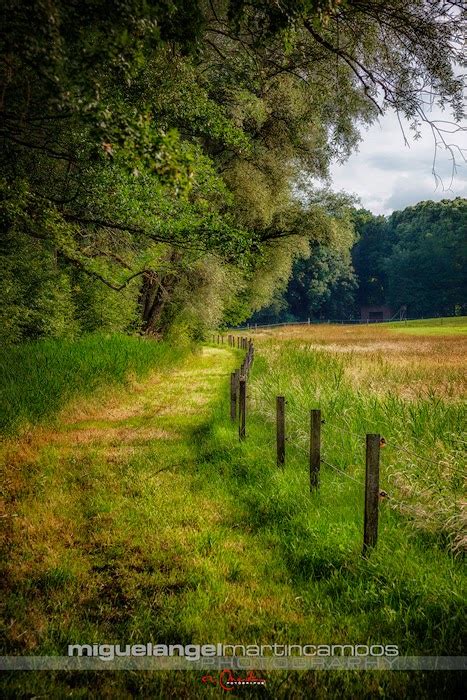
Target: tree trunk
<point x="156" y="293"/>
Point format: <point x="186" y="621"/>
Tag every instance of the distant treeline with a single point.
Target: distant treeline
<point x="414" y="258"/>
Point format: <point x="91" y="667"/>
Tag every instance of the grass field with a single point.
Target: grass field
<point x="367" y="379"/>
<point x="142" y="518"/>
<point x="432" y="326"/>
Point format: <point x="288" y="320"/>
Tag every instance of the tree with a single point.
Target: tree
<point x="414" y="258"/>
<point x="322" y="286"/>
<point x="321" y="283"/>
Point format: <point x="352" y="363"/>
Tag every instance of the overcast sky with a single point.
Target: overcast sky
<point x="387" y="175"/>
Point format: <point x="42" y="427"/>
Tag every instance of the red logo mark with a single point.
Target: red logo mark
<point x="227" y="680"/>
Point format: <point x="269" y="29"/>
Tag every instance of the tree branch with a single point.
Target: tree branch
<point x="101" y="278"/>
<point x="351" y="62"/>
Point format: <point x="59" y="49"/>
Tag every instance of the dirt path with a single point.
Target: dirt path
<point x="102" y="495"/>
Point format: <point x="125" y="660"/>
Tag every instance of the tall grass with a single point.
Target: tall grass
<point x="423" y="466"/>
<point x="38" y="378"/>
<point x="410" y="591"/>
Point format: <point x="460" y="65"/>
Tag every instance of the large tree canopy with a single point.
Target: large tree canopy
<point x="157" y="156"/>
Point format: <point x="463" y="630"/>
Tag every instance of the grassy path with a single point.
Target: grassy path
<point x="105" y="522"/>
<point x="117" y="532"/>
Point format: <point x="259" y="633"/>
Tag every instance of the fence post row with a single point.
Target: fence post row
<point x="315" y="448"/>
<point x="238" y="389"/>
<point x="238" y="381"/>
<point x="370" y="527"/>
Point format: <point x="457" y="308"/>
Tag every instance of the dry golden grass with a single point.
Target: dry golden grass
<point x="381" y="360"/>
<point x="371" y="338"/>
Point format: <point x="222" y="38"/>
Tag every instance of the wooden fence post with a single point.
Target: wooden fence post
<point x="242" y="409"/>
<point x="233" y="394"/>
<point x="315" y="448"/>
<point x="280" y="430"/>
<point x="370" y="529"/>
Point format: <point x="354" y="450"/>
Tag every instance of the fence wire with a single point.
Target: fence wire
<point x="300" y="433"/>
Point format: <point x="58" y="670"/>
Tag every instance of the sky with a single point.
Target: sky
<point x="387" y="175"/>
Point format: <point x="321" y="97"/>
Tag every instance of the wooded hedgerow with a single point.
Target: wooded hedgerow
<point x="157" y="156"/>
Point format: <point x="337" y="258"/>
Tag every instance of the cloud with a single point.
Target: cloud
<point x="394" y="161"/>
<point x="406" y="193"/>
<point x="386" y="174"/>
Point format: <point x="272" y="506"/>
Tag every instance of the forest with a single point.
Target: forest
<point x="165" y="163"/>
<point x="415" y="260"/>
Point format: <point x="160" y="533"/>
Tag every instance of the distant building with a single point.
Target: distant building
<point x="373" y="314"/>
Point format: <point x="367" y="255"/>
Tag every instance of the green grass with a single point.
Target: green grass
<point x="431" y="326"/>
<point x="415" y="407"/>
<point x="173" y="531"/>
<point x="39" y="378"/>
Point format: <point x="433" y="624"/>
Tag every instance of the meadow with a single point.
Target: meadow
<point x="432" y="326"/>
<point x="140" y="516"/>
